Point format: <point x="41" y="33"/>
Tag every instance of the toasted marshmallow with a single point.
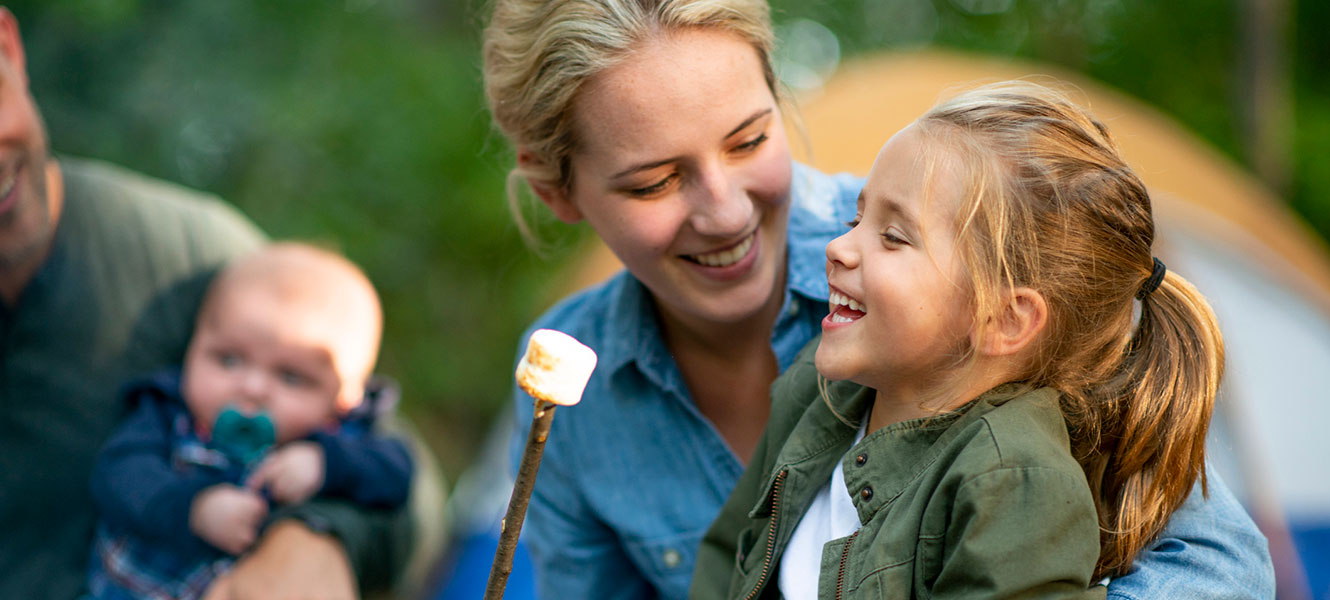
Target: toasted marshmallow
<point x="556" y="367"/>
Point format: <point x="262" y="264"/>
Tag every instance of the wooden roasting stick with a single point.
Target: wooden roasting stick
<point x="554" y="371"/>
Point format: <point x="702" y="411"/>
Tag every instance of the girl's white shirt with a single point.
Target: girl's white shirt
<point x="831" y="516"/>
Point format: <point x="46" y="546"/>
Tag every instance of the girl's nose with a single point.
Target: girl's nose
<point x="841" y="251"/>
<point x="720" y="207"/>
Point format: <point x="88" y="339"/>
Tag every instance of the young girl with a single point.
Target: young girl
<point x="1000" y="333"/>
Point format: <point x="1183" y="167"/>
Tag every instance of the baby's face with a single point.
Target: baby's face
<point x="254" y="353"/>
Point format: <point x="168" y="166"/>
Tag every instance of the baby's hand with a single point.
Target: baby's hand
<point x="228" y="517"/>
<point x="292" y="474"/>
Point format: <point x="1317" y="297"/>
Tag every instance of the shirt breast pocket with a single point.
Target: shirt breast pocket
<point x="668" y="560"/>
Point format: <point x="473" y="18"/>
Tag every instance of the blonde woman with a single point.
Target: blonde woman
<point x="659" y="123"/>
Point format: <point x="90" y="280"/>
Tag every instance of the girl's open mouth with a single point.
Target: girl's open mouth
<point x="845" y="309"/>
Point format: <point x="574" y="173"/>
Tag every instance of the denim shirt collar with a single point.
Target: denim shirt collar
<point x="819" y="210"/>
<point x="639" y="338"/>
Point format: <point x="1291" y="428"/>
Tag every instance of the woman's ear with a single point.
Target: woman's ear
<point x="1017" y="325"/>
<point x="552" y="194"/>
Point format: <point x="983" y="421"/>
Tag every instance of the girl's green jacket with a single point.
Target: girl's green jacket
<point x="982" y="502"/>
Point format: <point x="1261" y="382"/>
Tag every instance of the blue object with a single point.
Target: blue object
<point x="464" y="576"/>
<point x="1312" y="539"/>
<point x="243" y="438"/>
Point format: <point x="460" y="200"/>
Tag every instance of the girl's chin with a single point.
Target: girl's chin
<point x="828" y="366"/>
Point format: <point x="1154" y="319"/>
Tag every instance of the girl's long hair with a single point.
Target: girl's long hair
<point x="1051" y="205"/>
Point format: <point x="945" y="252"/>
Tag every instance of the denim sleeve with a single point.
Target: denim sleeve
<point x="574" y="554"/>
<point x="1210" y="548"/>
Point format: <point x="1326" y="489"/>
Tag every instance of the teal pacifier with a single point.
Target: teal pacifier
<point x="243" y="438"/>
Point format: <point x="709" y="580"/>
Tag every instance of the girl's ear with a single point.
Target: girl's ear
<point x="552" y="194"/>
<point x="1018" y="324"/>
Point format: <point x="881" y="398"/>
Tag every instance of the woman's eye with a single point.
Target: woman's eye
<point x="753" y="143"/>
<point x="653" y="189"/>
<point x="853" y="222"/>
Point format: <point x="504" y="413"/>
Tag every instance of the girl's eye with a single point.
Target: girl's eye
<point x="853" y="223"/>
<point x="753" y="143"/>
<point x="653" y="189"/>
<point x="892" y="237"/>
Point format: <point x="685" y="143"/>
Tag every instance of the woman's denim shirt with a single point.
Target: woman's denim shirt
<point x="632" y="476"/>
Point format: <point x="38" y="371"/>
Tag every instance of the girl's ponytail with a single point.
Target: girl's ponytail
<point x="1153" y="435"/>
<point x="1052" y="205"/>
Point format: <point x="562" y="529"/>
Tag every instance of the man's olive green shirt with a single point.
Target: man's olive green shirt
<point x="982" y="502"/>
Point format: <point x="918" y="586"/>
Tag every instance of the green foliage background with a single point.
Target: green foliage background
<point x="362" y="123"/>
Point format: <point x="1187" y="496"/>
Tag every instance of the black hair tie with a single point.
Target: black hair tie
<point x="1152" y="284"/>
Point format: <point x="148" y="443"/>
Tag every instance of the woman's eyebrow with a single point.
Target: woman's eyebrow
<point x="643" y="167"/>
<point x="656" y="163"/>
<point x="749" y="121"/>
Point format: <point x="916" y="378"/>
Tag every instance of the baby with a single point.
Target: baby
<point x="270" y="407"/>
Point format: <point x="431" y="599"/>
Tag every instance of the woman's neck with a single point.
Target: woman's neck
<point x="728" y="368"/>
<point x="725" y="341"/>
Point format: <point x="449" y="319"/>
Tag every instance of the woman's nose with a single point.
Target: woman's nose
<point x="720" y="207"/>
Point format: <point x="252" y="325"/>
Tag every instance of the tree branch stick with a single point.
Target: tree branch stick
<point x="526" y="481"/>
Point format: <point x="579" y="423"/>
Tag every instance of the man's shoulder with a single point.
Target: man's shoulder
<point x="157" y="210"/>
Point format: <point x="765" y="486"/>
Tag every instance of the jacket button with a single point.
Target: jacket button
<point x="861" y="460"/>
<point x="866" y="493"/>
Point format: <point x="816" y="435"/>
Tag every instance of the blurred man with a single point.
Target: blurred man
<point x="101" y="272"/>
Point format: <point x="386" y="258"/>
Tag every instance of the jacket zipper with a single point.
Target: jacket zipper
<point x="844" y="555"/>
<point x="771" y="533"/>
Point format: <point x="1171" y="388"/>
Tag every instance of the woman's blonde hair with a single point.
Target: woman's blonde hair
<point x="1051" y="205"/>
<point x="538" y="53"/>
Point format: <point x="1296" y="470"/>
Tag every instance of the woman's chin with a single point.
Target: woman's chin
<point x="739" y="304"/>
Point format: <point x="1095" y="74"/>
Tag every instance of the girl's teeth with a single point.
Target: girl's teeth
<point x="838" y="299"/>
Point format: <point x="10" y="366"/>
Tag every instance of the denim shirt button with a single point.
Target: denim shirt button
<point x="866" y="493"/>
<point x="671" y="558"/>
<point x="794" y="307"/>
